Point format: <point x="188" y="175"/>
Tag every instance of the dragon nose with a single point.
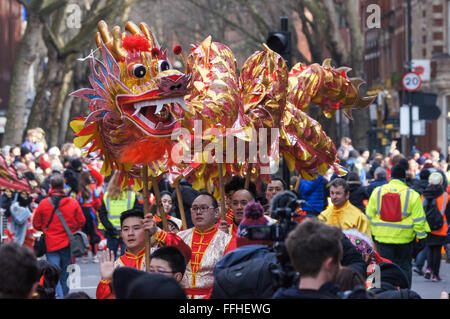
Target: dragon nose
<point x="175" y="84"/>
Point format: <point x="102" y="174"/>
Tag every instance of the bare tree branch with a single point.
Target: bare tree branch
<point x="335" y="42"/>
<point x="50" y="6"/>
<point x="232" y="24"/>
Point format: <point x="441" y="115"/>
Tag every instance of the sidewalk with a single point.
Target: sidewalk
<point x="432" y="290"/>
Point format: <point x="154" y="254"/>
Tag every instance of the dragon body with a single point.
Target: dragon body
<point x="138" y="103"/>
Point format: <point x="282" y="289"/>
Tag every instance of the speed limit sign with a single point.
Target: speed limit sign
<point x="411" y="81"/>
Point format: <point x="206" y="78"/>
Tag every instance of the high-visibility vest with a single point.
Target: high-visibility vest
<point x="116" y="207"/>
<point x="441" y="203"/>
<point x="413" y="221"/>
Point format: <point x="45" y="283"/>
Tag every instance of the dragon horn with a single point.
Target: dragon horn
<point x="112" y="42"/>
<point x="365" y="101"/>
<point x="344" y="69"/>
<point x="132" y="28"/>
<point x="327" y="63"/>
<point x="117" y="42"/>
<point x="361" y="102"/>
<point x="149" y="35"/>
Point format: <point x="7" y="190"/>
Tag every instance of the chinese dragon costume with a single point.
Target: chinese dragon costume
<point x="137" y="103"/>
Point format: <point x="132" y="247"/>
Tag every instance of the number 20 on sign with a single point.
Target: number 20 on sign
<point x="411" y="81"/>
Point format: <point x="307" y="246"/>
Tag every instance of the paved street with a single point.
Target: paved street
<point x="90" y="276"/>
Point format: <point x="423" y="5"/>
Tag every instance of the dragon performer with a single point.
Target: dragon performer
<point x="137" y="102"/>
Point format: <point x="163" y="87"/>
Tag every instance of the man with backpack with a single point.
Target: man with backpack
<point x="437" y="210"/>
<point x="56" y="238"/>
<point x="396" y="219"/>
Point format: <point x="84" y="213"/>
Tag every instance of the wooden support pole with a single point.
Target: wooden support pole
<point x="180" y="205"/>
<point x="222" y="192"/>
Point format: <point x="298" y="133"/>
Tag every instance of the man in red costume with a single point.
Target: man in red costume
<point x="133" y="226"/>
<point x="208" y="246"/>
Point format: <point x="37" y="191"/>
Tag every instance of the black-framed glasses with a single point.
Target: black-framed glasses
<point x="159" y="271"/>
<point x="203" y="209"/>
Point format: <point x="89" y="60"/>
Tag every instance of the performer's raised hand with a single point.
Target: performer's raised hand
<point x="150" y="224"/>
<point x="107" y="265"/>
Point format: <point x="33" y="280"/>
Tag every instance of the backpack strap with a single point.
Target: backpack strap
<point x="444" y="202"/>
<point x="61" y="218"/>
<point x="53" y="214"/>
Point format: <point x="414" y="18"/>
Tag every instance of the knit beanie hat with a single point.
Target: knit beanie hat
<point x="253" y="216"/>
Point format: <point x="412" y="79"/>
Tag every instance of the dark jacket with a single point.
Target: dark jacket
<point x="374" y="184"/>
<point x="389" y="291"/>
<point x="419" y="185"/>
<point x="326" y="291"/>
<point x="358" y="194"/>
<point x="6" y="203"/>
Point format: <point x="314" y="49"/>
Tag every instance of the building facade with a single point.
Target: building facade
<point x="386" y="61"/>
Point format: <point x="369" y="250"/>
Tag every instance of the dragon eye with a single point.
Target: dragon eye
<point x="164" y="66"/>
<point x="139" y="70"/>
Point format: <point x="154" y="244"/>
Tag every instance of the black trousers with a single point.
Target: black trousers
<point x="434" y="259"/>
<point x="400" y="254"/>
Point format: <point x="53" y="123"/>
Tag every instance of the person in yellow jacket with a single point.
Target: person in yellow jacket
<point x="114" y="202"/>
<point x="396" y="219"/>
<point x="342" y="213"/>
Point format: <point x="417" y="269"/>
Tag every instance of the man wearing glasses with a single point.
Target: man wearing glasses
<point x="208" y="246"/>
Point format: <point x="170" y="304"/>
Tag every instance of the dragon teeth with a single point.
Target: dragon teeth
<point x="159" y="104"/>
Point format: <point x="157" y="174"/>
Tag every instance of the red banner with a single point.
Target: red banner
<point x="9" y="178"/>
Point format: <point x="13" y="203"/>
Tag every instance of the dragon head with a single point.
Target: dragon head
<point x="154" y="99"/>
<point x="136" y="100"/>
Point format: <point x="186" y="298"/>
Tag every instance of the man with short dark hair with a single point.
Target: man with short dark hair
<point x="276" y="185"/>
<point x="208" y="245"/>
<point x="168" y="261"/>
<point x="133" y="225"/>
<point x="19" y="272"/>
<point x="56" y="238"/>
<point x="315" y="251"/>
<point x="342" y="213"/>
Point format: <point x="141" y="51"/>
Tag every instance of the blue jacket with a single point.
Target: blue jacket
<point x="313" y="193"/>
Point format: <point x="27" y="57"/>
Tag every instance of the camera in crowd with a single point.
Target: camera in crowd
<point x="284" y="206"/>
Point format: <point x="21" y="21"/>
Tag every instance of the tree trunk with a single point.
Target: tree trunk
<point x="60" y="96"/>
<point x="15" y="124"/>
<point x="359" y="126"/>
